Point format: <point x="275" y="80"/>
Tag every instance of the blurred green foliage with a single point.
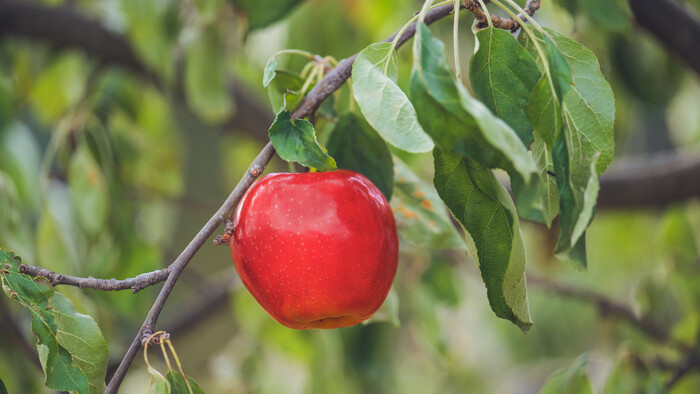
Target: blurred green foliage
<point x="105" y="173"/>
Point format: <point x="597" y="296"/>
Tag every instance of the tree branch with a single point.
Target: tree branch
<point x="65" y="28"/>
<point x="330" y="83"/>
<point x="673" y="24"/>
<point x="650" y="182"/>
<point x="136" y="284"/>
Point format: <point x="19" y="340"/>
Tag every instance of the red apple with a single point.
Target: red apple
<point x="316" y="250"/>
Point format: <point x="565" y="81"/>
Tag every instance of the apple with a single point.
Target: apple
<point x="316" y="250"/>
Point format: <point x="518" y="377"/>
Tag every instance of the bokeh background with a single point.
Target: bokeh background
<point x="114" y="153"/>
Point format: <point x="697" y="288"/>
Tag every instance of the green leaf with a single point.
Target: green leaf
<point x="295" y="140"/>
<point x="459" y="123"/>
<point x="61" y="374"/>
<point x="178" y="385"/>
<point x="545" y="111"/>
<point x="559" y="69"/>
<point x="205" y="76"/>
<point x="356" y="146"/>
<point x="421" y="217"/>
<point x="585" y="147"/>
<point x="546" y="205"/>
<point x="589" y="105"/>
<point x="502" y="74"/>
<point x="485" y="209"/>
<point x="383" y="103"/>
<point x="571" y="380"/>
<point x="284" y="91"/>
<point x="89" y="191"/>
<point x="159" y="384"/>
<point x="3" y="389"/>
<point x="588" y="140"/>
<point x="578" y="193"/>
<point x="388" y="312"/>
<point x="82" y="338"/>
<point x="264" y="12"/>
<point x="612" y="14"/>
<point x="545" y="102"/>
<point x="269" y="73"/>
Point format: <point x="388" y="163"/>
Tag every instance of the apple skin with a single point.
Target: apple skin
<point x="316" y="250"/>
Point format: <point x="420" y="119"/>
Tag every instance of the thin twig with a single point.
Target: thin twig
<point x="650" y="181"/>
<point x="673" y="23"/>
<point x="136" y="283"/>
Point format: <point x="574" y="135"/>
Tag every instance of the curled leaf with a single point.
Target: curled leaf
<point x="295" y="140"/>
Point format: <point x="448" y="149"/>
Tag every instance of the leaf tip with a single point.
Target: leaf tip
<point x="525" y="327"/>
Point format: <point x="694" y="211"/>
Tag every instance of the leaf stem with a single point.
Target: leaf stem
<point x="395" y="41"/>
<point x="320" y="73"/>
<point x="455" y="41"/>
<point x="165" y="353"/>
<point x="351" y="104"/>
<point x="331" y="60"/>
<point x="424" y="10"/>
<point x="145" y="349"/>
<point x="300" y="52"/>
<point x="486" y="11"/>
<point x="309" y="80"/>
<point x="179" y="365"/>
<point x="307" y="67"/>
<point x="528" y="17"/>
